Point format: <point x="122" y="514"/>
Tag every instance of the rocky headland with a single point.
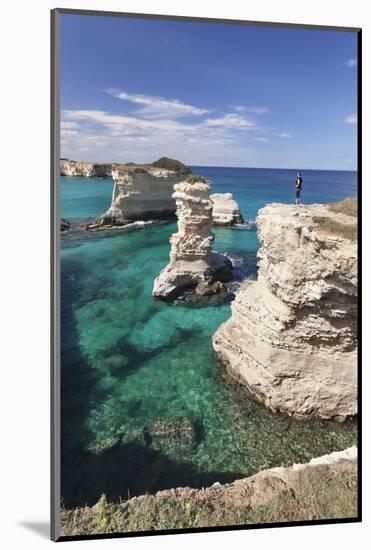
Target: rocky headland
<point x="193" y="264"/>
<point x="73" y="168"/>
<point x="292" y="335"/>
<point x="324" y="488"/>
<point x="225" y="209"/>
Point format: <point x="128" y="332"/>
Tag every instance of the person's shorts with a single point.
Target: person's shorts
<point x="297" y="194"/>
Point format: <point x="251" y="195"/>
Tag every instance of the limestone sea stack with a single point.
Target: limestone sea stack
<point x="192" y="262"/>
<point x="225" y="209"/>
<point x="292" y="336"/>
<point x="143" y="192"/>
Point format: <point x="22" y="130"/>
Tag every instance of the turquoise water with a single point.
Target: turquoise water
<point x="128" y="360"/>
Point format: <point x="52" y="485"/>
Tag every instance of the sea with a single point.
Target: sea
<point x="144" y="404"/>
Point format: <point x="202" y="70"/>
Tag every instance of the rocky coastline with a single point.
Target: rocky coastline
<point x="291" y="340"/>
<point x="292" y="335"/>
<point x="192" y="264"/>
<point x="144" y="192"/>
<point x="323" y="488"/>
<point x="73" y="168"/>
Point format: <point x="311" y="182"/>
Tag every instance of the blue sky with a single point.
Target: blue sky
<point x="207" y="94"/>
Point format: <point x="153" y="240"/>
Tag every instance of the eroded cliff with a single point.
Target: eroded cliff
<point x="225" y="209"/>
<point x="192" y="262"/>
<point x="141" y="194"/>
<point x="292" y="335"/>
<point x="73" y="168"/>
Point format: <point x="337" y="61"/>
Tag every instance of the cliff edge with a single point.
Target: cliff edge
<point x="324" y="488"/>
<point x="292" y="335"/>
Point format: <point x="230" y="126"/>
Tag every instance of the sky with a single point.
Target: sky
<point x="134" y="90"/>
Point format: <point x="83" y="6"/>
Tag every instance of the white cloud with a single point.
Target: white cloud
<point x="285" y="135"/>
<point x="351" y="119"/>
<point x="123" y="122"/>
<point x="158" y="107"/>
<point x="230" y="121"/>
<point x="251" y="109"/>
<point x="110" y="137"/>
<point x="352" y="62"/>
<point x="150" y="126"/>
<point x="68" y="132"/>
<point x="68" y="125"/>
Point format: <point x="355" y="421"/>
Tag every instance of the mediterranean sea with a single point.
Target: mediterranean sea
<point x="145" y="406"/>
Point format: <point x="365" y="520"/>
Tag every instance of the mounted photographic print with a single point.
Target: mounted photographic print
<point x="205" y="185"/>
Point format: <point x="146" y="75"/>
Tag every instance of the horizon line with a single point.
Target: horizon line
<point x="225" y="166"/>
<point x="275" y="168"/>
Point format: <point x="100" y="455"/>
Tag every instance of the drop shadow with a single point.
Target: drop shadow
<point x="41" y="528"/>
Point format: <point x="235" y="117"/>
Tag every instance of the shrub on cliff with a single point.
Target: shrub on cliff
<point x="171" y="164"/>
<point x="139" y="170"/>
<point x="195" y="179"/>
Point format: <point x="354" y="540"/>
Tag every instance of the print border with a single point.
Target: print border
<point x="55" y="434"/>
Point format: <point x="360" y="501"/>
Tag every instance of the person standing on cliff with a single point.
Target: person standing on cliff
<point x="298" y="186"/>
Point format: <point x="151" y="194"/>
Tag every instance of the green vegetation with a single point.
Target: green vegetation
<point x="320" y="493"/>
<point x="171" y="164"/>
<point x="139" y="170"/>
<point x="332" y="227"/>
<point x="347" y="206"/>
<point x="195" y="179"/>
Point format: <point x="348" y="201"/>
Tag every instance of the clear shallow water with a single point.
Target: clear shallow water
<point x="128" y="360"/>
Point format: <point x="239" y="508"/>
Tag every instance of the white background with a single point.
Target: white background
<point x="24" y="287"/>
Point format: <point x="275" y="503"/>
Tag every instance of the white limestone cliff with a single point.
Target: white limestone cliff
<point x="192" y="262"/>
<point x="225" y="209"/>
<point x="73" y="168"/>
<point x="141" y="194"/>
<point x="292" y="335"/>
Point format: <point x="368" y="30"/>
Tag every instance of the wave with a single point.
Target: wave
<point x="250" y="225"/>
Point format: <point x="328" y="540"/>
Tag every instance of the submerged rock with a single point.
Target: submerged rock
<point x="104" y="443"/>
<point x="292" y="336"/>
<point x="172" y="433"/>
<point x="225" y="209"/>
<point x="65" y="225"/>
<point x="192" y="262"/>
<point x="134" y="437"/>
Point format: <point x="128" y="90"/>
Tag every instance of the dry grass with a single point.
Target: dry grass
<point x="320" y="493"/>
<point x="347" y="206"/>
<point x="337" y="229"/>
